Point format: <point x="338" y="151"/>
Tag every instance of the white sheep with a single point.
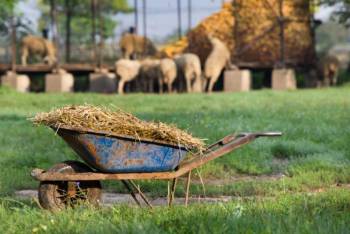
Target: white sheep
<point x="190" y="65"/>
<point x="218" y="58"/>
<point x="168" y="72"/>
<point x="126" y="70"/>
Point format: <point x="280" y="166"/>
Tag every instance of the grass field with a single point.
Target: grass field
<point x="313" y="155"/>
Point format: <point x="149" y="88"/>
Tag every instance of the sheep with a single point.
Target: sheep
<point x="33" y="45"/>
<point x="148" y="73"/>
<point x="190" y="65"/>
<point x="328" y="69"/>
<point x="126" y="70"/>
<point x="132" y="44"/>
<point x="218" y="58"/>
<point x="168" y="72"/>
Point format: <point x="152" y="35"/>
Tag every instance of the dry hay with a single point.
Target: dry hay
<point x="174" y="48"/>
<point x="219" y="25"/>
<point x="257" y="18"/>
<point x="252" y="38"/>
<point x="99" y="119"/>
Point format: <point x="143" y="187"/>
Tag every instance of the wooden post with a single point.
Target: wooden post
<point x="179" y="19"/>
<point x="13" y="44"/>
<point x="93" y="33"/>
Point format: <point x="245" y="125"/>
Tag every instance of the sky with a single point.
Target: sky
<point x="161" y="15"/>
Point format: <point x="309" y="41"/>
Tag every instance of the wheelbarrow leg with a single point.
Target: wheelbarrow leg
<point x="188" y="182"/>
<point x="131" y="192"/>
<point x="143" y="196"/>
<point x="171" y="195"/>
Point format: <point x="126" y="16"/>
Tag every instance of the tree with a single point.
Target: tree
<point x="6" y="14"/>
<point x="342" y="10"/>
<point x="77" y="22"/>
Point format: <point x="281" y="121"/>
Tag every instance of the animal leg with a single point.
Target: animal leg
<point x="211" y="85"/>
<point x="24" y="56"/>
<point x="188" y="85"/>
<point x="160" y="83"/>
<point x="204" y="84"/>
<point x="169" y="87"/>
<point x="121" y="87"/>
<point x="212" y="82"/>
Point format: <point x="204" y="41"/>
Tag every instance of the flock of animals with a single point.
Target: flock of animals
<point x="143" y="63"/>
<point x="167" y="70"/>
<point x="135" y="66"/>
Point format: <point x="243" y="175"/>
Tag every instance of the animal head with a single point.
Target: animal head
<point x="50" y="60"/>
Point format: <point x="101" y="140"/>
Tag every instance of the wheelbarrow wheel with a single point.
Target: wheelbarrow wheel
<point x="57" y="195"/>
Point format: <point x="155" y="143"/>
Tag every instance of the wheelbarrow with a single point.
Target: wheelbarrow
<point x="117" y="157"/>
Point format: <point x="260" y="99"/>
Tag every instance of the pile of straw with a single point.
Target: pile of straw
<point x="91" y="118"/>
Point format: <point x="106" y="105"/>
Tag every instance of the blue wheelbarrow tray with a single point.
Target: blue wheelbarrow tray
<point x="112" y="153"/>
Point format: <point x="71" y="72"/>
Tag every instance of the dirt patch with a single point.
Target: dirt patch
<point x="109" y="199"/>
<point x="235" y="179"/>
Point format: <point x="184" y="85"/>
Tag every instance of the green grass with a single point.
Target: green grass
<point x="305" y="213"/>
<point x="313" y="153"/>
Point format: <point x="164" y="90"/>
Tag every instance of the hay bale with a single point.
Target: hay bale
<point x="92" y="118"/>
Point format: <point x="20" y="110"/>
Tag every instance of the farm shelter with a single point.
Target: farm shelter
<point x="260" y="34"/>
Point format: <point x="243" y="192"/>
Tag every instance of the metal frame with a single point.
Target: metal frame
<point x="217" y="149"/>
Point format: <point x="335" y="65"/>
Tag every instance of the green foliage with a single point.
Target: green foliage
<point x="81" y="22"/>
<point x="6" y="12"/>
<point x="342" y="13"/>
<point x="330" y="34"/>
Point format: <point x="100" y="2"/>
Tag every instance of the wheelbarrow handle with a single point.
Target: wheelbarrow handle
<point x="262" y="134"/>
<point x="234" y="136"/>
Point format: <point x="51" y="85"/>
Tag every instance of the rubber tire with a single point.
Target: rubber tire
<point x="48" y="190"/>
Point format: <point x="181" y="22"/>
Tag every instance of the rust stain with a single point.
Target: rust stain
<point x="128" y="162"/>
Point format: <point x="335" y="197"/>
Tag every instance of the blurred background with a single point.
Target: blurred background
<point x="306" y="35"/>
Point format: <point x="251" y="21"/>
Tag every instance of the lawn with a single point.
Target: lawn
<point x="313" y="155"/>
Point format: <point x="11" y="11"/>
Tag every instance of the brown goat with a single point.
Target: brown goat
<point x="132" y="44"/>
<point x="33" y="45"/>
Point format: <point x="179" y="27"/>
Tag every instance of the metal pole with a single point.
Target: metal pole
<point x="189" y="15"/>
<point x="136" y="15"/>
<point x="93" y="34"/>
<point x="54" y="29"/>
<point x="179" y="18"/>
<point x="13" y="44"/>
<point x="236" y="27"/>
<point x="144" y="14"/>
<point x="282" y="41"/>
<point x="68" y="29"/>
<point x="101" y="34"/>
